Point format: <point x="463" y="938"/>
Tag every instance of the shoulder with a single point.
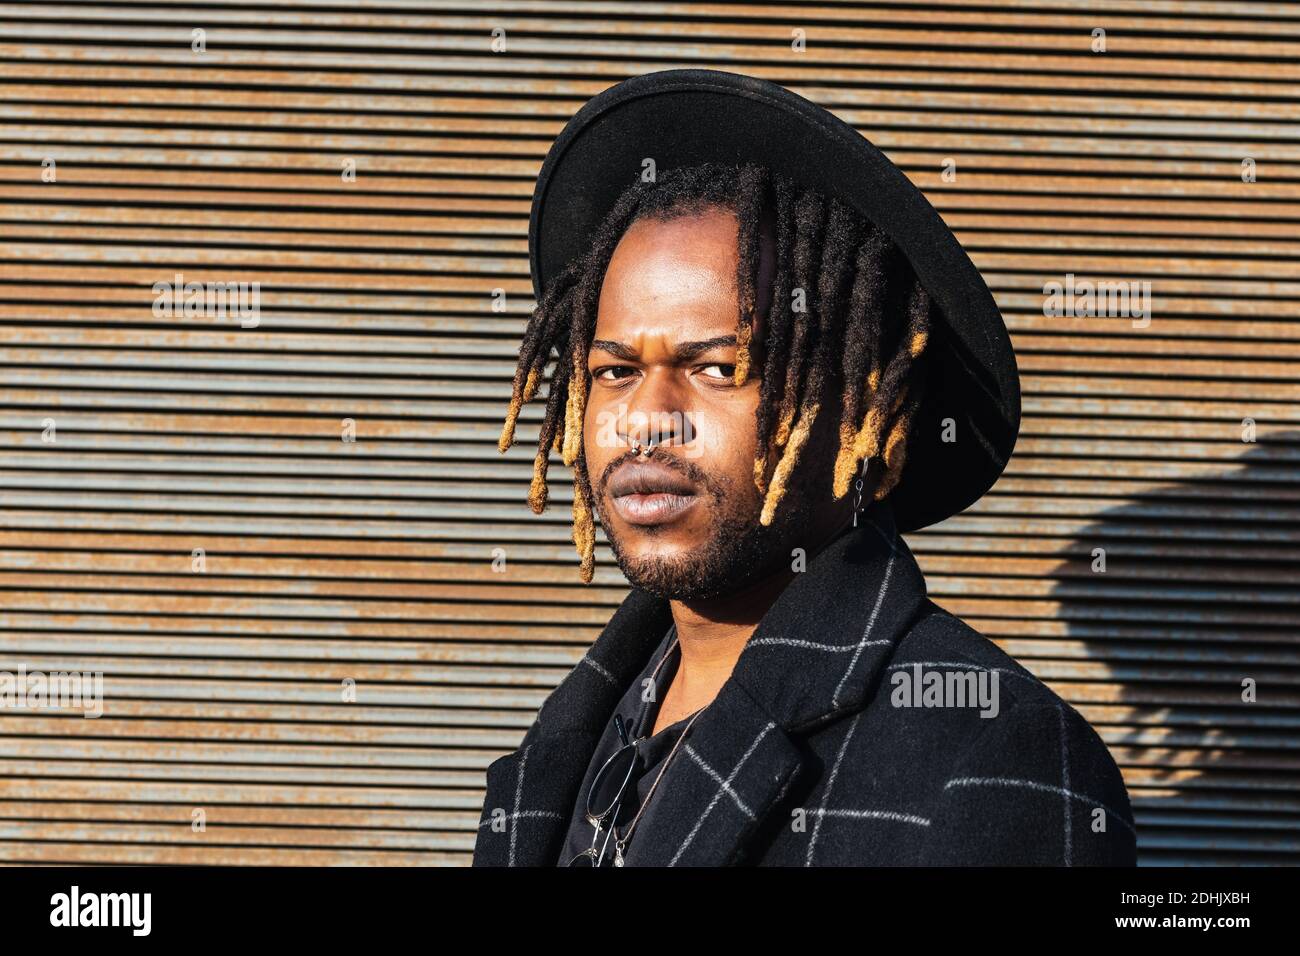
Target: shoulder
<point x="1024" y="761"/>
<point x="939" y="639"/>
<point x="943" y="651"/>
<point x="939" y="633"/>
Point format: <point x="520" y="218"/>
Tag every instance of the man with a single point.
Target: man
<point x="771" y="357"/>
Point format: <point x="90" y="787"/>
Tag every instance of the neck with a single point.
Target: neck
<point x="712" y="633"/>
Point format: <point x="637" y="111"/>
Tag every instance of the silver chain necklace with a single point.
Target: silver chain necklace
<point x="627" y="835"/>
<point x="621" y="843"/>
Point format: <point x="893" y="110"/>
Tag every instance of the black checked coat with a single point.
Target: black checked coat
<point x="803" y="759"/>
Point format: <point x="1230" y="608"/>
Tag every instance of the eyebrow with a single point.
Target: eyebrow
<point x="682" y="353"/>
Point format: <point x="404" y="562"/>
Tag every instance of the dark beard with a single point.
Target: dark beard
<point x="740" y="550"/>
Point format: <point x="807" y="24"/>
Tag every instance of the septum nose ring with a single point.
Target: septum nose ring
<point x="642" y="450"/>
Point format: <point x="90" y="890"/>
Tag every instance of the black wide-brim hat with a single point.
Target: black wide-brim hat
<point x="687" y="117"/>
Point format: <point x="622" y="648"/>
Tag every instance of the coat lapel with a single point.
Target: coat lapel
<point x="531" y="792"/>
<point x="816" y="655"/>
<point x="730" y="771"/>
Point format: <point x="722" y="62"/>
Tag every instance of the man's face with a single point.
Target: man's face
<point x="683" y="522"/>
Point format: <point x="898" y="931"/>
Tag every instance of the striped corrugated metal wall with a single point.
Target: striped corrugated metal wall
<point x="371" y="560"/>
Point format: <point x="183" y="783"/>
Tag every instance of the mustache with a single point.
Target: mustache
<point x="687" y="469"/>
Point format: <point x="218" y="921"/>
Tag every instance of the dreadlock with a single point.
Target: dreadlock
<point x="836" y="277"/>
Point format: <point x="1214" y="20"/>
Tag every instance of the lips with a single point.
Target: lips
<point x="649" y="493"/>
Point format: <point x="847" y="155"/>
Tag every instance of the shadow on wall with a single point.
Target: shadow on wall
<point x="1198" y="603"/>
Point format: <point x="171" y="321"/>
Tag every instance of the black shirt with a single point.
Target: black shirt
<point x="639" y="716"/>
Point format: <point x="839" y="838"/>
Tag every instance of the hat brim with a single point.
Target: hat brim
<point x="687" y="117"/>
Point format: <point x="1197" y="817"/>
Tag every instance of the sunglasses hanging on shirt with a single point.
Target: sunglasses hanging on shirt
<point x="605" y="797"/>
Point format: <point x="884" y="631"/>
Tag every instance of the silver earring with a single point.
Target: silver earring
<point x="857" y="493"/>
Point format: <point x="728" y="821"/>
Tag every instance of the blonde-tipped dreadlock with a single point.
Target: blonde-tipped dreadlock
<point x="584" y="529"/>
<point x="832" y="272"/>
<point x="835" y="280"/>
<point x="884" y="400"/>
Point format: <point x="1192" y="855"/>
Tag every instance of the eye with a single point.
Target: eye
<point x="719" y="371"/>
<point x="608" y="372"/>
